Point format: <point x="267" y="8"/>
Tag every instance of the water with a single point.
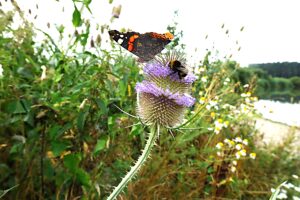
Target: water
<point x="286" y="113"/>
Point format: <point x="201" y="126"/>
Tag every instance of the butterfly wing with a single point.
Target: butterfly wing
<point x="146" y="46"/>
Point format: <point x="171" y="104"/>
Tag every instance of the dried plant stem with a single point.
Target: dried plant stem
<point x="153" y="135"/>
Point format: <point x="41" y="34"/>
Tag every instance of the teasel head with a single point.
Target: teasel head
<point x="164" y="95"/>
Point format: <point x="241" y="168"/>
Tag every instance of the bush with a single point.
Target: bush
<point x="296" y="82"/>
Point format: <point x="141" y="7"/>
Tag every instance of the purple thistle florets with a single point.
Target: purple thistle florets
<point x="163" y="96"/>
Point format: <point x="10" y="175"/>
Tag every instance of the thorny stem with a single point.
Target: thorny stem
<point x="153" y="135"/>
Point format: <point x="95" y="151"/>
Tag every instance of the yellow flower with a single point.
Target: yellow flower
<point x="238" y="146"/>
<point x="245" y="141"/>
<point x="252" y="155"/>
<point x="238" y="155"/>
<point x="243" y="152"/>
<point x="202" y="100"/>
<point x="219" y="145"/>
<point x="213" y="114"/>
<point x="238" y="139"/>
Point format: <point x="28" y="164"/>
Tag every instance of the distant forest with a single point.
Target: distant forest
<point x="284" y="69"/>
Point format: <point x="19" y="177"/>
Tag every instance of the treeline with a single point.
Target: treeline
<point x="268" y="86"/>
<point x="278" y="69"/>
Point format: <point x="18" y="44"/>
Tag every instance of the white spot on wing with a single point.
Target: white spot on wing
<point x="120" y="41"/>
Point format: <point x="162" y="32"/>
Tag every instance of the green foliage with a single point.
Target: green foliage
<point x="269" y="87"/>
<point x="296" y="82"/>
<point x="284" y="69"/>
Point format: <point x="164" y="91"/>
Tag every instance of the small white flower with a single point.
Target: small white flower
<point x="252" y="155"/>
<point x="208" y="107"/>
<point x="202" y="100"/>
<point x="273" y="190"/>
<point x="233" y="169"/>
<point x="243" y="95"/>
<point x="199" y="70"/>
<point x="297" y="189"/>
<point x="288" y="185"/>
<point x="238" y="139"/>
<point x="247" y="100"/>
<point x="204" y="79"/>
<point x="282" y="196"/>
<point x="246" y="86"/>
<point x="219" y="145"/>
<point x="243" y="152"/>
<point x="296" y="198"/>
<point x="245" y="142"/>
<point x="295" y="176"/>
<point x="234" y="162"/>
<point x="219" y="153"/>
<point x="238" y="146"/>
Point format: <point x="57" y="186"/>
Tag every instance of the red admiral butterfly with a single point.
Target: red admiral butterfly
<point x="146" y="46"/>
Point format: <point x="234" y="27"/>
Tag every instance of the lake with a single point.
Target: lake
<point x="286" y="113"/>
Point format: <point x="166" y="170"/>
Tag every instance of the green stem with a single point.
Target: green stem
<point x="145" y="154"/>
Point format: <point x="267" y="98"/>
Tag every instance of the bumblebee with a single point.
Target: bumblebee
<point x="178" y="68"/>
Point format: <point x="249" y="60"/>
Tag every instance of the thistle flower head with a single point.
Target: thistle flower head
<point x="164" y="96"/>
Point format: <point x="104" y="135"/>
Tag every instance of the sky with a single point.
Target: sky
<point x="271" y="27"/>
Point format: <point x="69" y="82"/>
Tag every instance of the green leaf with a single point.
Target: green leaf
<point x="71" y="161"/>
<point x="58" y="147"/>
<point x="136" y="130"/>
<point x="76" y="20"/>
<point x="83" y="177"/>
<point x="15" y="107"/>
<point x="101" y="143"/>
<point x="81" y="119"/>
<point x="102" y="105"/>
<point x="57" y="130"/>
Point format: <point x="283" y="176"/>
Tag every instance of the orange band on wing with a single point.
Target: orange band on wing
<point x="131" y="41"/>
<point x="165" y="36"/>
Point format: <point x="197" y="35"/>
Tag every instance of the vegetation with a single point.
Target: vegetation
<point x="270" y="87"/>
<point x="63" y="136"/>
<point x="284" y="69"/>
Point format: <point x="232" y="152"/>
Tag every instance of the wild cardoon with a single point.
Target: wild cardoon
<point x="162" y="99"/>
<point x="163" y="96"/>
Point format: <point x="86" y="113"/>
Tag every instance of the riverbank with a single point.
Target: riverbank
<point x="271" y="133"/>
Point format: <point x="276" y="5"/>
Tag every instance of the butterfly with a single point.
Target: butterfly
<point x="145" y="46"/>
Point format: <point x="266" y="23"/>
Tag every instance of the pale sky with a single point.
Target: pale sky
<point x="271" y="33"/>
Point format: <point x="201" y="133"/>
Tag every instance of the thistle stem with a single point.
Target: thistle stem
<point x="153" y="135"/>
